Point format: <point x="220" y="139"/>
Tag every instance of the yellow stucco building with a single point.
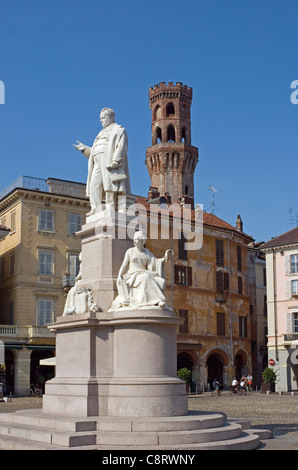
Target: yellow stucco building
<point x="38" y="261"/>
<point x="209" y="289"/>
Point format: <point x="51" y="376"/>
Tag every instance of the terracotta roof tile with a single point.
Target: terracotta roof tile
<point x="208" y="218"/>
<point x="286" y="238"/>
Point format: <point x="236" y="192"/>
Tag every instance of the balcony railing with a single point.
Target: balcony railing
<point x="289" y="337"/>
<point x="26" y="182"/>
<point x="24" y="332"/>
<point x="221" y="297"/>
<point x="68" y="280"/>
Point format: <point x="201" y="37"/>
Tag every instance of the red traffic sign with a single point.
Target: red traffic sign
<point x="271" y="362"/>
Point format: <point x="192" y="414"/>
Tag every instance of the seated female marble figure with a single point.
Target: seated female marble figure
<point x="141" y="281"/>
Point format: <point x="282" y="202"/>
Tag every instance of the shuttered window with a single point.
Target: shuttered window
<point x="75" y="223"/>
<point x="45" y="312"/>
<point x="294" y="264"/>
<point x="46" y="262"/>
<point x="295" y="319"/>
<point x="294" y="287"/>
<point x="183" y="275"/>
<point x="184" y="327"/>
<point x="222" y="282"/>
<point x="73" y="264"/>
<point x="239" y="258"/>
<point x="13" y="221"/>
<point x="221" y="327"/>
<point x="219" y="253"/>
<point x="243" y="327"/>
<point x="240" y="287"/>
<point x="46" y="221"/>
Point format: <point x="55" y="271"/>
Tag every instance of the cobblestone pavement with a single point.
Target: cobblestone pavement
<point x="278" y="413"/>
<point x="20" y="403"/>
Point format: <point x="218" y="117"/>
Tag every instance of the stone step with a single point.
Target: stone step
<point x="228" y="431"/>
<point x="47" y="435"/>
<point x="37" y="418"/>
<point x="245" y="442"/>
<point x="122" y="438"/>
<point x="12" y="443"/>
<point x="197" y="430"/>
<point x="194" y="420"/>
<point x="263" y="434"/>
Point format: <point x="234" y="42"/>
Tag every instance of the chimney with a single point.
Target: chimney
<point x="153" y="193"/>
<point x="239" y="224"/>
<point x="187" y="200"/>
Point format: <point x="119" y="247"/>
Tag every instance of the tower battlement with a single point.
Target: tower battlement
<point x="170" y="90"/>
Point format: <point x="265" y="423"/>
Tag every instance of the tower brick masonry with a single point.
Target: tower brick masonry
<point x="171" y="160"/>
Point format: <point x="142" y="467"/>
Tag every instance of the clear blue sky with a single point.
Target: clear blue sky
<point x="63" y="60"/>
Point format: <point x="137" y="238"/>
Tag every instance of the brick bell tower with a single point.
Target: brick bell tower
<point x="171" y="160"/>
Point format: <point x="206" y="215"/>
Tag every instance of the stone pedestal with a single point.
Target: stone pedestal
<point x="114" y="363"/>
<point x="118" y="364"/>
<point x="104" y="242"/>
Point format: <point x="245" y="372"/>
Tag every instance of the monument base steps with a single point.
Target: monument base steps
<point x="37" y="430"/>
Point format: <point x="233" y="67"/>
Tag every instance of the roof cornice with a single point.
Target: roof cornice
<point x="19" y="193"/>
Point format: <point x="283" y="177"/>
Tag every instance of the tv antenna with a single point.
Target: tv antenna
<point x="213" y="193"/>
<point x="293" y="218"/>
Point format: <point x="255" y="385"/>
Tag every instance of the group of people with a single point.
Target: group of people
<point x="244" y="384"/>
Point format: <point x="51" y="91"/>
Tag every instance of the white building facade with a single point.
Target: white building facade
<point x="282" y="308"/>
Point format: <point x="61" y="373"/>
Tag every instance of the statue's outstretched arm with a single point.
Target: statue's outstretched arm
<point x="86" y="151"/>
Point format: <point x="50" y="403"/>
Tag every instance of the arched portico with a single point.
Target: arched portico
<point x="217" y="363"/>
<point x="240" y="364"/>
<point x="189" y="359"/>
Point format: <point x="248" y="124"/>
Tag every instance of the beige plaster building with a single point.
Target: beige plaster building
<point x="38" y="263"/>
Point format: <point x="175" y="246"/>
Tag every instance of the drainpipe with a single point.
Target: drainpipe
<point x="172" y="263"/>
<point x="275" y="307"/>
<point x="230" y="307"/>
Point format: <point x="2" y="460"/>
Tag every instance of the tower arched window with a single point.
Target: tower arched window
<point x="157" y="114"/>
<point x="184" y="135"/>
<point x="158" y="135"/>
<point x="170" y="110"/>
<point x="171" y="133"/>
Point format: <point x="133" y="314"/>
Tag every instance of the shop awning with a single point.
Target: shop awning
<point x="50" y="361"/>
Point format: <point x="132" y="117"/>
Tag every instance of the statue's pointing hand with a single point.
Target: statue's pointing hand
<point x="81" y="147"/>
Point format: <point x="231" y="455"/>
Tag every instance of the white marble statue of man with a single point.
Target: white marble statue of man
<point x="108" y="173"/>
